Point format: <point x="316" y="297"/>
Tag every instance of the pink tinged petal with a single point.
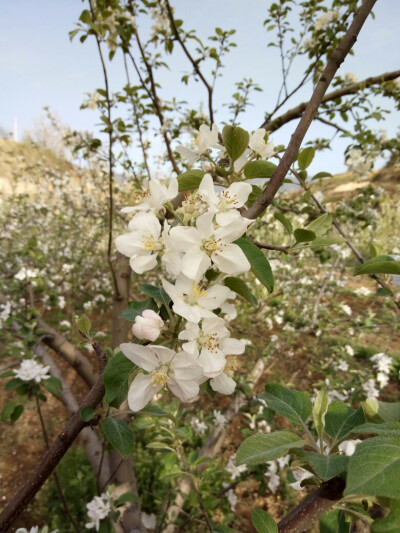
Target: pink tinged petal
<point x="143" y="263"/>
<point x="241" y="191"/>
<point x="186" y="391"/>
<point x="195" y="263"/>
<point x="141" y="392"/>
<point x="204" y="225"/>
<point x="231" y="260"/>
<point x="128" y="244"/>
<point x="142" y="356"/>
<point x="233" y="346"/>
<point x="223" y="384"/>
<point x="150" y="333"/>
<point x="212" y="363"/>
<point x="183" y="236"/>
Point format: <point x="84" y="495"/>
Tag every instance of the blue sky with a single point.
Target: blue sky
<point x="40" y="66"/>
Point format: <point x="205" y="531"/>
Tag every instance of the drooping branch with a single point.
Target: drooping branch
<point x="56" y="451"/>
<point x="296" y="112"/>
<point x="310" y="111"/>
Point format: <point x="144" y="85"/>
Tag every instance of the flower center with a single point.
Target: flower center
<point x="213" y="245"/>
<point x="159" y="375"/>
<point x="211" y="342"/>
<point x="150" y="243"/>
<point x="197" y="292"/>
<point x="227" y="201"/>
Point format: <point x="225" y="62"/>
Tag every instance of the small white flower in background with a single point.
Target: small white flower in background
<point x="348" y="447"/>
<point x="370" y="390"/>
<point x="232" y="469"/>
<point x="341" y="365"/>
<point x="362" y="291"/>
<point x="350" y="77"/>
<point x="26" y="273"/>
<point x="93" y="100"/>
<point x="88" y="346"/>
<point x="154" y="198"/>
<point x="33" y="529"/>
<point x="231" y="497"/>
<point x="346" y="309"/>
<point x="349" y="350"/>
<point x="198" y="426"/>
<point x="31" y="370"/>
<point x="274" y="479"/>
<point x="319" y="196"/>
<point x="259" y="146"/>
<point x="65" y="324"/>
<point x="358" y="163"/>
<point x="61" y="302"/>
<point x="98" y="509"/>
<point x="325" y="19"/>
<point x="5" y="312"/>
<point x="219" y="418"/>
<point x="149" y="521"/>
<point x="147" y="325"/>
<point x="180" y="371"/>
<point x="309" y="43"/>
<point x="206" y="138"/>
<point x="383" y="362"/>
<point x="300" y="474"/>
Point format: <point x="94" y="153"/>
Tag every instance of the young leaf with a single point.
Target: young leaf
<point x="119" y="435"/>
<point x="259" y="263"/>
<point x="322" y="175"/>
<point x="304" y="235"/>
<point x="376" y="410"/>
<point x="87" y="413"/>
<point x="189" y="180"/>
<point x="235" y="140"/>
<point x="157" y="293"/>
<point x="116" y="379"/>
<point x="266" y="447"/>
<point x="382" y="264"/>
<point x="296" y="406"/>
<point x="136" y="308"/>
<point x="259" y="169"/>
<point x="319" y="410"/>
<point x="239" y="286"/>
<point x="285" y="222"/>
<point x="320" y="225"/>
<point x="326" y="466"/>
<point x="340" y="420"/>
<point x="374" y="468"/>
<point x="334" y="522"/>
<point x="263" y="521"/>
<point x="305" y="157"/>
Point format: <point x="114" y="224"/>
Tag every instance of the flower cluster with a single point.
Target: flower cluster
<point x="31" y="370"/>
<point x="357" y="162"/>
<point x="194" y="245"/>
<point x="98" y="509"/>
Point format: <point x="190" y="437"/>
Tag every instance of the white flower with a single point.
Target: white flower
<point x="5" y="312"/>
<point x="370" y="390"/>
<point x="205" y="245"/>
<point x="31" y="370"/>
<point x="204" y="140"/>
<point x="192" y="301"/>
<point x="346" y="309"/>
<point x="210" y="343"/>
<point x="26" y="273"/>
<point x="224" y="382"/>
<point x="33" y="529"/>
<point x="180" y="371"/>
<point x="349" y="350"/>
<point x="149" y="521"/>
<point x="147" y="325"/>
<point x="309" y="43"/>
<point x="350" y="77"/>
<point x="225" y="204"/>
<point x="358" y="163"/>
<point x="154" y="198"/>
<point x="348" y="447"/>
<point x="325" y="19"/>
<point x="65" y="324"/>
<point x="232" y="469"/>
<point x="259" y="146"/>
<point x="383" y="362"/>
<point x="274" y="480"/>
<point x="283" y="461"/>
<point x="382" y="379"/>
<point x="145" y="242"/>
<point x="198" y="426"/>
<point x="341" y="365"/>
<point x="98" y="509"/>
<point x="232" y="499"/>
<point x="362" y="291"/>
<point x="300" y="474"/>
<point x="219" y="418"/>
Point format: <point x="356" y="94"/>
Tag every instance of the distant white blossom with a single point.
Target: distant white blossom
<point x="31" y="370"/>
<point x="233" y="470"/>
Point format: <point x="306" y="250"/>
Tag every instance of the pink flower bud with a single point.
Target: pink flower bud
<point x="147" y="326"/>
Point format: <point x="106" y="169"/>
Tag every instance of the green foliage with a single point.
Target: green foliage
<point x="263" y="522"/>
<point x="239" y="286"/>
<point x="189" y="180"/>
<point x="119" y="435"/>
<point x="258" y="262"/>
<point x="382" y="264"/>
<point x="296" y="406"/>
<point x="259" y="169"/>
<point x="305" y="157"/>
<point x="261" y="448"/>
<point x="235" y="140"/>
<point x="116" y="379"/>
<point x="340" y="420"/>
<point x="136" y="308"/>
<point x="334" y="522"/>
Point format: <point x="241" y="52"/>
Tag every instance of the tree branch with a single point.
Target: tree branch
<point x="311" y="109"/>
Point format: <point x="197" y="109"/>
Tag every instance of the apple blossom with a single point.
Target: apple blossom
<point x="31" y="370"/>
<point x="224" y="382"/>
<point x="98" y="509"/>
<point x="154" y="198"/>
<point x="180" y="371"/>
<point x="259" y="146"/>
<point x="300" y="474"/>
<point x="204" y="140"/>
<point x="147" y="325"/>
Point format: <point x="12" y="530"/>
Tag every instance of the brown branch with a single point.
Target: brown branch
<point x="194" y="63"/>
<point x="54" y="455"/>
<point x="297" y="112"/>
<point x="310" y="510"/>
<point x="311" y="109"/>
<point x="284" y="249"/>
<point x="331" y="124"/>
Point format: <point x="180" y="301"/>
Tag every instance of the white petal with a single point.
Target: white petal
<point x="128" y="244"/>
<point x="141" y="392"/>
<point x="195" y="263"/>
<point x="171" y="290"/>
<point x="212" y="363"/>
<point x="227" y="217"/>
<point x="190" y="156"/>
<point x="207" y="190"/>
<point x="146" y="224"/>
<point x="231" y="260"/>
<point x="143" y="263"/>
<point x="216" y="295"/>
<point x="191" y="347"/>
<point x="183" y="236"/>
<point x="142" y="356"/>
<point x="236" y="228"/>
<point x="186" y="391"/>
<point x="241" y="191"/>
<point x="191" y="332"/>
<point x="190" y="312"/>
<point x="223" y="384"/>
<point x="163" y="354"/>
<point x="233" y="346"/>
<point x="204" y="225"/>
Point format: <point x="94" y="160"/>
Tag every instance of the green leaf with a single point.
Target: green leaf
<point x="320" y="225"/>
<point x="136" y="308"/>
<point x="119" y="435"/>
<point x="259" y="263"/>
<point x="322" y="175"/>
<point x="327" y="240"/>
<point x="124" y="498"/>
<point x="296" y="406"/>
<point x="381" y="264"/>
<point x="255" y="193"/>
<point x="263" y="521"/>
<point x="13" y="384"/>
<point x="157" y="293"/>
<point x="190" y="179"/>
<point x="391" y="522"/>
<point x="340" y="420"/>
<point x="87" y="413"/>
<point x="86" y="17"/>
<point x="285" y="222"/>
<point x="334" y="522"/>
<point x="259" y="169"/>
<point x="53" y="385"/>
<point x="7" y="374"/>
<point x="386" y="429"/>
<point x="266" y="447"/>
<point x="374" y="468"/>
<point x="116" y="379"/>
<point x="158" y="445"/>
<point x="305" y="157"/>
<point x="376" y="410"/>
<point x="304" y="235"/>
<point x="154" y="410"/>
<point x="17" y="412"/>
<point x="319" y="410"/>
<point x="235" y="140"/>
<point x="84" y="325"/>
<point x="239" y="286"/>
<point x="326" y="466"/>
